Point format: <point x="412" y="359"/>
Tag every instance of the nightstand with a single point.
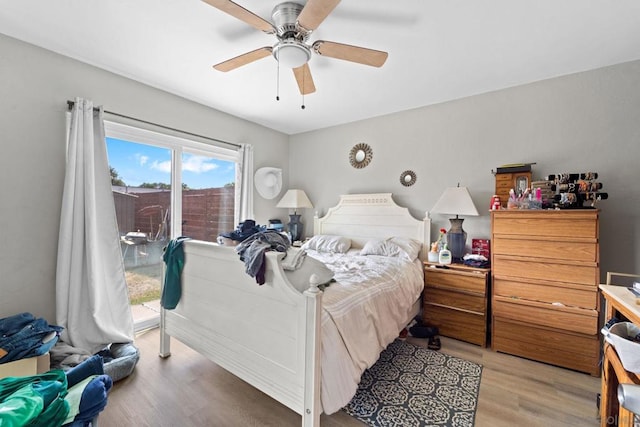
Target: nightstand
<point x="455" y="299"/>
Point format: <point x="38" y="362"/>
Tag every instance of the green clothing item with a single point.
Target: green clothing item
<point x="36" y="400"/>
<point x="21" y="407"/>
<point x="174" y="259"/>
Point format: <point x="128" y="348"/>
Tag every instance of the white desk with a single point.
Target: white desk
<point x="622" y="304"/>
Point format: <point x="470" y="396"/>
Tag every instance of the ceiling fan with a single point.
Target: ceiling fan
<point x="292" y="24"/>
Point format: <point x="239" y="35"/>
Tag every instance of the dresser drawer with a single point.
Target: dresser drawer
<point x="583" y="296"/>
<point x="579" y="224"/>
<point x="462" y="301"/>
<point x="570" y="350"/>
<point x="506" y="184"/>
<point x="550" y="249"/>
<point x="455" y="280"/>
<point x="569" y="319"/>
<point x="504" y="177"/>
<point x="554" y="272"/>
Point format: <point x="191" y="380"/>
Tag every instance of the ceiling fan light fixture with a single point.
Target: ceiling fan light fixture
<point x="291" y="53"/>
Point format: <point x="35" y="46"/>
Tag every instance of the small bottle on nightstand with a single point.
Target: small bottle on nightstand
<point x="445" y="256"/>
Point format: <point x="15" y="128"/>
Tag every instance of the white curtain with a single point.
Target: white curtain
<point x="92" y="302"/>
<point x="244" y="178"/>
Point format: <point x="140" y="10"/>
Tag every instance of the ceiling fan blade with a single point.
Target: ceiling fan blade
<point x="361" y="55"/>
<point x="242" y="14"/>
<point x="304" y="79"/>
<point x="244" y="59"/>
<point x="314" y="12"/>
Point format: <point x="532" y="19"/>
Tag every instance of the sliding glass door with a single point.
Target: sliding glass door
<point x="165" y="187"/>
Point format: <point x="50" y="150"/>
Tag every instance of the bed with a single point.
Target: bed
<point x="277" y="337"/>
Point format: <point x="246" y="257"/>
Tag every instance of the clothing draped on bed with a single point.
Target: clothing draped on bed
<point x="362" y="313"/>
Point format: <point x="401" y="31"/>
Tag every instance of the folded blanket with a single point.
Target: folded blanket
<point x="294" y="258"/>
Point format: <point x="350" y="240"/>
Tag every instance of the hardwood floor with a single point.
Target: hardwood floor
<point x="187" y="390"/>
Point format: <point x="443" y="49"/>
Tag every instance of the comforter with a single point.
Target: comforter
<point x="363" y="311"/>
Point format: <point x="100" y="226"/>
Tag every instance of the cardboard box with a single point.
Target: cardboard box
<point x="481" y="247"/>
<point x="25" y="367"/>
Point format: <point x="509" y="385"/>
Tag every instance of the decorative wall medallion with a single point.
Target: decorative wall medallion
<point x="360" y="155"/>
<point x="408" y="178"/>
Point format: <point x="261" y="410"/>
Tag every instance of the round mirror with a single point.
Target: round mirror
<point x="408" y="178"/>
<point x="360" y="155"/>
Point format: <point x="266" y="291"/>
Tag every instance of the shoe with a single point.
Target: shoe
<point x="434" y="343"/>
<point x="420" y="331"/>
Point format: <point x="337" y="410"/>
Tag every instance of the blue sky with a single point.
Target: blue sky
<point x="138" y="163"/>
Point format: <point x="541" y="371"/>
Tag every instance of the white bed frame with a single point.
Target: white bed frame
<point x="269" y="335"/>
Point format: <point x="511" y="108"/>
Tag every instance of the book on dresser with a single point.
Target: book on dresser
<point x="545" y="276"/>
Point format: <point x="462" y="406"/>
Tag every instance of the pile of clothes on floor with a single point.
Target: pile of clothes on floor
<point x="73" y="396"/>
<point x="56" y="398"/>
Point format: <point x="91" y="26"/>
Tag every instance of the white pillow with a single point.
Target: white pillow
<point x="411" y="247"/>
<point x="328" y="243"/>
<point x="380" y="247"/>
<point x="393" y="247"/>
<point x="299" y="277"/>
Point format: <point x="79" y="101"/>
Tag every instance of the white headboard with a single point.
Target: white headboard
<point x="365" y="216"/>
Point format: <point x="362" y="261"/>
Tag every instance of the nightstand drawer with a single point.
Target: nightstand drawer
<point x="462" y="301"/>
<point x="456" y="280"/>
<point x="457" y="324"/>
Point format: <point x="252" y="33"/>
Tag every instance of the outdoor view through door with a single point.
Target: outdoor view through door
<point x="164" y="187"/>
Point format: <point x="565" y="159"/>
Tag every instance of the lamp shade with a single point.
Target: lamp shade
<point x="295" y="199"/>
<point x="455" y="201"/>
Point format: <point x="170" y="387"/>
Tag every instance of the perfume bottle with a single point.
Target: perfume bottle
<point x="445" y="256"/>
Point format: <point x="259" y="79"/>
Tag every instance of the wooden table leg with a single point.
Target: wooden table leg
<point x="609" y="393"/>
<point x="613" y="373"/>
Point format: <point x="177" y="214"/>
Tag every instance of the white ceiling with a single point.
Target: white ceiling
<point x="438" y="50"/>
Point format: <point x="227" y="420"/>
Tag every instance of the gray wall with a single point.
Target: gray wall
<point x="586" y="122"/>
<point x="582" y="122"/>
<point x="35" y="87"/>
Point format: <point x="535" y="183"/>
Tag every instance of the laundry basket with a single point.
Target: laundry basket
<point x="622" y="337"/>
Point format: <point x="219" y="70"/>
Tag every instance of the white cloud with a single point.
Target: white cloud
<point x="161" y="166"/>
<point x="198" y="164"/>
<point x="141" y="159"/>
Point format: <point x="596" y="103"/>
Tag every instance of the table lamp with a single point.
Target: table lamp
<point x="295" y="199"/>
<point x="456" y="201"/>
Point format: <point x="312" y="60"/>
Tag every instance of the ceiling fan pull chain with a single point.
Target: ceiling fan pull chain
<point x="278" y="81"/>
<point x="303" y="91"/>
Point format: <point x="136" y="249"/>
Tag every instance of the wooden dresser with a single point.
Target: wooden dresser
<point x="545" y="304"/>
<point x="456" y="301"/>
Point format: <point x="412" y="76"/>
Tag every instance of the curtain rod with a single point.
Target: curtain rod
<point x="70" y="104"/>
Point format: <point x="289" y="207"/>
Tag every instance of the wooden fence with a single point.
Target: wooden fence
<point x="205" y="213"/>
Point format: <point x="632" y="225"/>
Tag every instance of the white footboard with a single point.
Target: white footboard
<point x="267" y="335"/>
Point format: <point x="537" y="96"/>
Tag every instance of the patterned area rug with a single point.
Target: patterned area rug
<point x="411" y="386"/>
